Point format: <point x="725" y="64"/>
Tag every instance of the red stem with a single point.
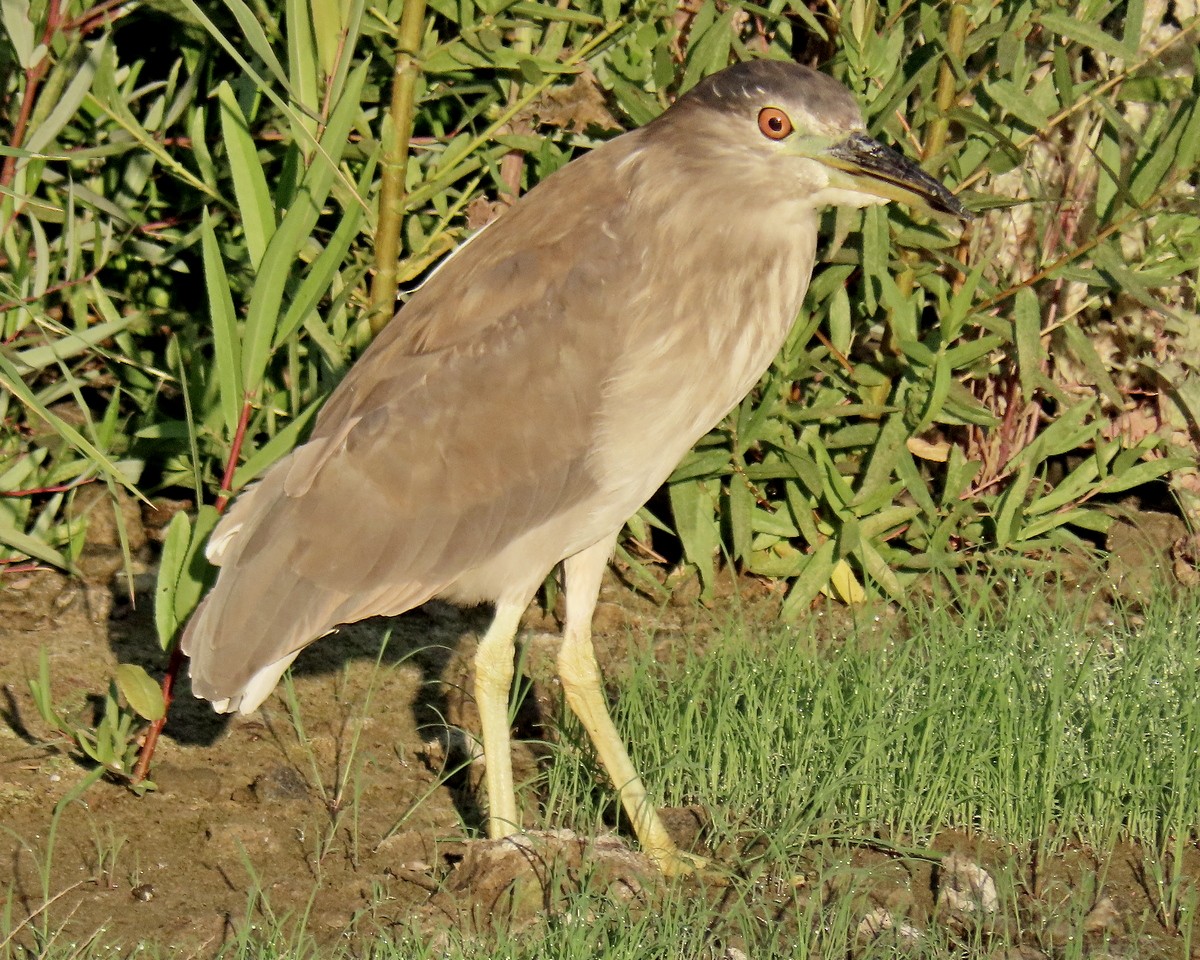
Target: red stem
<point x="59" y="488"/>
<point x="146" y="754"/>
<point x="33" y="80"/>
<point x="235" y="452"/>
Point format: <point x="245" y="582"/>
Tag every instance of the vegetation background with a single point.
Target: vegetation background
<point x="198" y="231"/>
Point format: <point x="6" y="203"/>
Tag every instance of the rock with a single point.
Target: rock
<point x="964" y="887"/>
<point x="284" y="783"/>
<point x="96" y="503"/>
<point x="98" y="564"/>
<point x="518" y="879"/>
<point x="158" y="516"/>
<point x="1103" y="917"/>
<point x="880" y="921"/>
<point x="407" y="852"/>
<point x="609" y="618"/>
<point x="687" y="826"/>
<point x="1139" y="547"/>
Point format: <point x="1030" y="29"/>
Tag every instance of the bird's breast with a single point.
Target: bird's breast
<point x="687" y="363"/>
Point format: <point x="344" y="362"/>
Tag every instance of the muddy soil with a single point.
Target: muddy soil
<point x="343" y="812"/>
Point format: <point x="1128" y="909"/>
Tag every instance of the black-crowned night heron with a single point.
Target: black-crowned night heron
<point x="538" y="389"/>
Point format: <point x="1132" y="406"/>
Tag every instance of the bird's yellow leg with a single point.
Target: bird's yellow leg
<point x="493" y="681"/>
<point x="580" y="676"/>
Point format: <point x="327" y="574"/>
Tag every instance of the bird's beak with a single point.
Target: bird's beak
<point x="875" y="169"/>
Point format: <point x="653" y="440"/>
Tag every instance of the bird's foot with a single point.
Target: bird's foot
<point x="676" y="863"/>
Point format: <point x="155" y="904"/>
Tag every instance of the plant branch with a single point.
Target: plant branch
<point x="397" y="134"/>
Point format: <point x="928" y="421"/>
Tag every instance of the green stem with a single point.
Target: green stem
<point x="397" y="131"/>
<point x="947" y="88"/>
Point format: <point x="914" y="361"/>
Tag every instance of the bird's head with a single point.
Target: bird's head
<point x="799" y="134"/>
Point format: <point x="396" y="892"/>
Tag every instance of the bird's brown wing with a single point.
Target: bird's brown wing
<point x="466" y="423"/>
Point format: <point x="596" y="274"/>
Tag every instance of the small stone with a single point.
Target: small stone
<point x="609" y="618"/>
<point x="875" y="923"/>
<point x="281" y="784"/>
<point x="407" y="852"/>
<point x="1103" y="917"/>
<point x="880" y="921"/>
<point x="143" y="892"/>
<point x="965" y="887"/>
<point x="528" y="873"/>
<point x="158" y="516"/>
<point x="687" y="826"/>
<point x="1023" y="952"/>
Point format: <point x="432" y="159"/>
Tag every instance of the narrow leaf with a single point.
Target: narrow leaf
<point x="174" y="556"/>
<point x="249" y="181"/>
<point x="282" y="251"/>
<point x="226" y="345"/>
<point x="1027" y="319"/>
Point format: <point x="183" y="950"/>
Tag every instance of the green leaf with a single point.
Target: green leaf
<point x="709" y="51"/>
<point x="1144" y="472"/>
<point x="884" y="454"/>
<point x="64" y="348"/>
<point x="174" y="557"/>
<point x="1068" y="432"/>
<point x="291" y="235"/>
<point x="67" y="105"/>
<point x="1027" y="321"/>
<point x="1112" y="262"/>
<point x="742" y="507"/>
<point x="226" y="342"/>
<point x="140" y="690"/>
<point x="810" y="582"/>
<point x="195" y="574"/>
<point x="10" y="378"/>
<point x="1087" y="34"/>
<point x="1010" y="515"/>
<point x="31" y="546"/>
<point x="1083" y="350"/>
<point x="879" y="571"/>
<point x="18" y="24"/>
<point x="249" y="181"/>
<point x="693" y="506"/>
<point x="638" y="105"/>
<point x="939" y="390"/>
<point x="304" y="59"/>
<point x="324" y="268"/>
<point x="1075" y="485"/>
<point x="1086" y="517"/>
<point x="886" y="520"/>
<point x="276" y="447"/>
<point x="251" y="31"/>
<point x="548" y="12"/>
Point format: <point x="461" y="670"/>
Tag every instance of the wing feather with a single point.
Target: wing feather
<point x="467" y="422"/>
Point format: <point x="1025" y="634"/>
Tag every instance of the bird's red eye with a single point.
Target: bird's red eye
<point x="774" y="123"/>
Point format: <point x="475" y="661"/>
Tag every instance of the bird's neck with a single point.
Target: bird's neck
<point x="737" y="267"/>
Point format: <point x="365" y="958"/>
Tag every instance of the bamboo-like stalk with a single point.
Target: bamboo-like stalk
<point x="947" y="88"/>
<point x="397" y="132"/>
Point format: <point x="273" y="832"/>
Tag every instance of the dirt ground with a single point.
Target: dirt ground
<point x="249" y="826"/>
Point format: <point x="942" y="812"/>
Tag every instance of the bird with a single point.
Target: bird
<point x="537" y="389"/>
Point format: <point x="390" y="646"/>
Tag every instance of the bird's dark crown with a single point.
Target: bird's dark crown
<point x="776" y="83"/>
